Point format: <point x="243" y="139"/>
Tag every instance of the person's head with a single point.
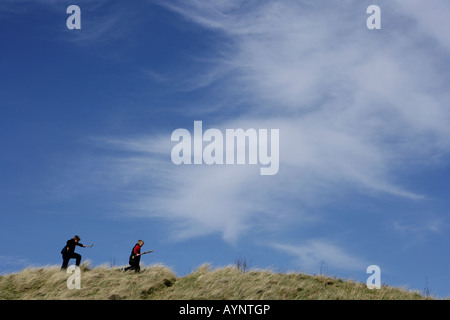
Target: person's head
<point x="76" y="238"/>
<point x="140" y="242"/>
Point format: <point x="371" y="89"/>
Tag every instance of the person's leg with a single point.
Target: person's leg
<point x="77" y="257"/>
<point x="134" y="265"/>
<point x="130" y="262"/>
<point x="137" y="260"/>
<point x="127" y="268"/>
<point x="66" y="259"/>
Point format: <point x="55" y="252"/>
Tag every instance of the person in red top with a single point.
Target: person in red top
<point x="135" y="257"/>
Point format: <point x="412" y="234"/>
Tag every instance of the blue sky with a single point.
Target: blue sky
<point x="86" y="118"/>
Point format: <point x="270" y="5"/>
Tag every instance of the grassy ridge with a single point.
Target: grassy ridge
<point x="159" y="282"/>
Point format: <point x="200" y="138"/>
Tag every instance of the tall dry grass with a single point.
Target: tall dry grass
<point x="159" y="282"/>
<point x="100" y="283"/>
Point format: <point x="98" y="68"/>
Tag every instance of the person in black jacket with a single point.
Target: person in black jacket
<point x="68" y="252"/>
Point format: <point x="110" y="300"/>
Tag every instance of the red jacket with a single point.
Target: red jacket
<point x="136" y="249"/>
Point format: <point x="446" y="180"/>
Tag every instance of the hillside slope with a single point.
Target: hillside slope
<point x="159" y="282"/>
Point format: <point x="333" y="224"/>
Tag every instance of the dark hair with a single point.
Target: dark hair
<point x="77" y="238"/>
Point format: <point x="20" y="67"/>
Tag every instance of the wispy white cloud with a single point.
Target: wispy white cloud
<point x="419" y="229"/>
<point x="429" y="18"/>
<point x="197" y="200"/>
<point x="355" y="109"/>
<point x="312" y="254"/>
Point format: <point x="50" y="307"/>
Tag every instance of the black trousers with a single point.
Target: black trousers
<point x="66" y="256"/>
<point x="134" y="264"/>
